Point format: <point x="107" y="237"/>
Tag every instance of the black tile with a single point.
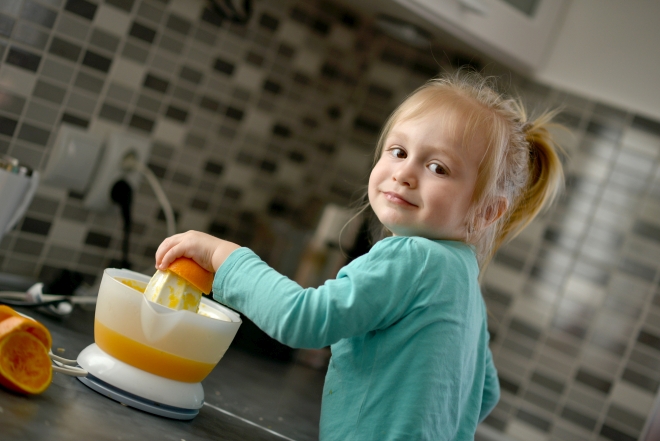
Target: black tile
<point x="125" y="5"/>
<point x="211" y="17"/>
<point x="38" y="14"/>
<point x="98" y="239"/>
<point x="648" y="125"/>
<point x="301" y="79"/>
<point x="593" y="381"/>
<point x="497" y="295"/>
<point x="578" y="418"/>
<point x="649" y="231"/>
<point x="244" y="158"/>
<point x="24" y="59"/>
<point x="35" y="226"/>
<point x="272" y="86"/>
<point x="286" y="51"/>
<point x="321" y="27"/>
<point x="636" y="269"/>
<point x="268" y="166"/>
<point x="155" y="83"/>
<point x="624" y="416"/>
<point x="299" y="15"/>
<point x="7" y="126"/>
<point x="380" y="92"/>
<point x="72" y="119"/>
<point x="233" y="193"/>
<point x="269" y="22"/>
<point x="425" y="70"/>
<point x="367" y="125"/>
<point x="199" y="204"/>
<point x="568" y="119"/>
<point x="640" y="380"/>
<point x="540" y="423"/>
<point x="112" y="113"/>
<point x="6" y="25"/>
<point x="178" y="24"/>
<point x="161" y="215"/>
<point x="609" y="132"/>
<point x="310" y="122"/>
<point x="234" y="113"/>
<point x="176" y="113"/>
<point x="142" y="123"/>
<point x="326" y="147"/>
<point x="525" y="329"/>
<point x="65" y="49"/>
<point x="514" y="262"/>
<point x="142" y="32"/>
<point x="97" y="61"/>
<point x="609" y="343"/>
<point x="213" y="167"/>
<point x="297" y="157"/>
<point x="392" y="57"/>
<point x="190" y="74"/>
<point x="254" y="59"/>
<point x="33" y="134"/>
<point x="82" y="8"/>
<point x="610" y="432"/>
<point x="223" y="66"/>
<point x="648" y="339"/>
<point x="330" y="71"/>
<point x="281" y="130"/>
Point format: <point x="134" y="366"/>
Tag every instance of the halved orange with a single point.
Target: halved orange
<point x="189" y="270"/>
<point x="20" y="323"/>
<point x="24" y="363"/>
<point x="6" y="312"/>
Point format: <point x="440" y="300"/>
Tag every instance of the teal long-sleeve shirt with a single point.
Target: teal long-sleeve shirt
<point x="407" y="328"/>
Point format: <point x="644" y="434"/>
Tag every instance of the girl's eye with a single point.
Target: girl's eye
<point x="398" y="153"/>
<point x="438" y="169"/>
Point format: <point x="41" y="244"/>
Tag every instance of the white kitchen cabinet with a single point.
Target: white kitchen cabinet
<point x="502" y="32"/>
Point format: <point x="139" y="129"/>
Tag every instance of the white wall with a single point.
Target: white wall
<point x="609" y="50"/>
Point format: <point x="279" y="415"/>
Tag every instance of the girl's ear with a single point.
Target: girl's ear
<point x="494" y="210"/>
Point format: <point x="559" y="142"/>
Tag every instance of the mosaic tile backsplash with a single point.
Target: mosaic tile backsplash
<point x="256" y="127"/>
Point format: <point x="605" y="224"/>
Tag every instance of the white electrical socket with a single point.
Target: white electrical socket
<point x="109" y="169"/>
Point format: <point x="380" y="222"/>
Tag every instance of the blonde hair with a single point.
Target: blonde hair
<point x="521" y="163"/>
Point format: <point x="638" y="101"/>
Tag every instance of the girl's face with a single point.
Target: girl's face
<point x="422" y="185"/>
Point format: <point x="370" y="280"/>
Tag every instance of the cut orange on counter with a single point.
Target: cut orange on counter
<point x="24" y="363"/>
<point x="20" y="323"/>
<point x="189" y="270"/>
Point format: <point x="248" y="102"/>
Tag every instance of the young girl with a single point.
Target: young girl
<point x="458" y="170"/>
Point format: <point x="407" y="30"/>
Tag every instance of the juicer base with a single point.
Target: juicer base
<point x="136" y="402"/>
<point x="137" y="388"/>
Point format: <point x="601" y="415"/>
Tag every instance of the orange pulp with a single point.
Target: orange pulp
<point x="149" y="359"/>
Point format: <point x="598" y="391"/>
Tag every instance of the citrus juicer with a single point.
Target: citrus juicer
<point x="151" y="357"/>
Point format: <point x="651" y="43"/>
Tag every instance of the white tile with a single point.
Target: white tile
<point x="583" y="291"/>
<point x="289" y="173"/>
<point x="386" y="74"/>
<point x="193" y="220"/>
<point x="67" y="232"/>
<point x="633" y="398"/>
<point x="341" y="37"/>
<point x="19" y="81"/>
<point x="352" y="159"/>
<point x="238" y="176"/>
<point x="169" y="132"/>
<point x="525" y="432"/>
<point x="113" y="20"/>
<point x="504" y="278"/>
<point x="308" y="61"/>
<point x="254" y="199"/>
<point x="127" y="72"/>
<point x="292" y="33"/>
<point x="641" y="141"/>
<point x="258" y="123"/>
<point x="539" y="312"/>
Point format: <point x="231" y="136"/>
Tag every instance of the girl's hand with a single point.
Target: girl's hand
<point x="209" y="252"/>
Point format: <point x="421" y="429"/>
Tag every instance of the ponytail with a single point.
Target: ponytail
<point x="544" y="180"/>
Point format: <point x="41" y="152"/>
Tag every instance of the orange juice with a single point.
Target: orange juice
<point x="149" y="359"/>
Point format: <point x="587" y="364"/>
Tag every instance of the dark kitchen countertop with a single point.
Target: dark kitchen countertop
<point x="284" y="398"/>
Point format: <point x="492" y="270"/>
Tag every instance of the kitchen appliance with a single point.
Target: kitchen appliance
<point x="18" y="184"/>
<point x="151" y="357"/>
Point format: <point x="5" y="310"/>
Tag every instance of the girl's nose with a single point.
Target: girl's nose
<point x="405" y="175"/>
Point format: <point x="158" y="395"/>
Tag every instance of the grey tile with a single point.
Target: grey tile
<point x="150" y="12"/>
<point x="196" y="141"/>
<point x="60" y="254"/>
<point x="20" y="267"/>
<point x="524" y="329"/>
<point x="579" y="418"/>
<point x="91" y="259"/>
<point x="178" y="24"/>
<point x="543" y="424"/>
<point x="112" y="113"/>
<point x="148" y="103"/>
<point x="104" y="40"/>
<point x="544" y="402"/>
<point x="183" y="94"/>
<point x="30" y="35"/>
<point x="43" y="205"/>
<point x="163" y="63"/>
<point x="73" y="27"/>
<point x="161" y="150"/>
<point x="204" y="36"/>
<point x="560" y="343"/>
<point x="171" y="43"/>
<point x="125" y="5"/>
<point x="641" y="380"/>
<point x="547" y="382"/>
<point x="142" y="123"/>
<point x="38" y="14"/>
<point x="629" y="418"/>
<point x="646" y="358"/>
<point x="27" y="246"/>
<point x="11" y="103"/>
<point x="62" y="72"/>
<point x="42" y="113"/>
<point x="11" y="7"/>
<point x="583" y="397"/>
<point x="614" y="434"/>
<point x="65" y="49"/>
<point x="88" y="82"/>
<point x="33" y="134"/>
<point x="49" y="92"/>
<point x="135" y="52"/>
<point x="192" y="75"/>
<point x="518" y="347"/>
<point x="120" y="93"/>
<point x="81" y="103"/>
<point x="594" y="381"/>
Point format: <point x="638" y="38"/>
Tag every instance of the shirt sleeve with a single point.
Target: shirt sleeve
<point x="491" y="388"/>
<point x="370" y="293"/>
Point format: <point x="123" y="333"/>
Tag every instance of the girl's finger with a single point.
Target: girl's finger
<point x="165" y="246"/>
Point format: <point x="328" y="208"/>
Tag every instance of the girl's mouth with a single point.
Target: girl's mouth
<point x="397" y="199"/>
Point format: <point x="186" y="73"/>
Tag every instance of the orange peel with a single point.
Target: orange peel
<point x="194" y="274"/>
